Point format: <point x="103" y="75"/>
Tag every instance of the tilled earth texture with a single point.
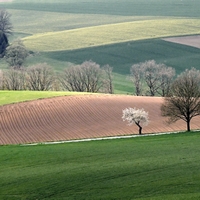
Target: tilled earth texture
<point x="79" y="117"/>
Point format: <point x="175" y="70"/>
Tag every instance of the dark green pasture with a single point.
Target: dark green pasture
<point x="145" y="168"/>
<point x="122" y="56"/>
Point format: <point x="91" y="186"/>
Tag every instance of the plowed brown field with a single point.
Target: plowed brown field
<point x="75" y="117"/>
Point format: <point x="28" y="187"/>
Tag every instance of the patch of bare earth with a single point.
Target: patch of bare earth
<point x="76" y="117"/>
<point x="193" y="41"/>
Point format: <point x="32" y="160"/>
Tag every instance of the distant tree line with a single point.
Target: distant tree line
<point x="87" y="77"/>
<point x="149" y="78"/>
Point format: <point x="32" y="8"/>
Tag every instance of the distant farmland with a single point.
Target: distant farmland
<point x="108" y="32"/>
<point x="111" y="34"/>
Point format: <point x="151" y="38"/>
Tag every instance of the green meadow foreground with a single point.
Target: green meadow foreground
<point x="157" y="167"/>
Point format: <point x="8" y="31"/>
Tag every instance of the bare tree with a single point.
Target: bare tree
<point x="92" y="76"/>
<point x="137" y="116"/>
<point x="14" y="79"/>
<point x="16" y="54"/>
<point x="166" y="78"/>
<point x="40" y="77"/>
<point x="5" y="23"/>
<point x="183" y="101"/>
<point x="87" y="77"/>
<point x="152" y="76"/>
<point x="1" y="79"/>
<point x="136" y="77"/>
<point x="108" y="80"/>
<point x="71" y="79"/>
<point x="156" y="77"/>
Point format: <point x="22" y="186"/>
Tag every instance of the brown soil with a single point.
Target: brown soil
<point x="193" y="41"/>
<point x="75" y="117"/>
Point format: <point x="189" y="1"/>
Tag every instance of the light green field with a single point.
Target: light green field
<point x="8" y="97"/>
<point x="112" y="33"/>
<point x="33" y="22"/>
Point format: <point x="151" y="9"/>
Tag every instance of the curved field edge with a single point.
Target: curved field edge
<point x="10" y="97"/>
<point x="162" y="167"/>
<point x="79" y="117"/>
<point x="111" y="34"/>
<point x="43" y="22"/>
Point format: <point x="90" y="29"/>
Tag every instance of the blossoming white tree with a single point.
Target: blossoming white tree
<point x="137" y="116"/>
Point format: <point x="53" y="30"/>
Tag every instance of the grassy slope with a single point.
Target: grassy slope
<point x="159" y="167"/>
<point x="39" y="21"/>
<point x="111" y="34"/>
<point x="122" y="56"/>
<point x="8" y="97"/>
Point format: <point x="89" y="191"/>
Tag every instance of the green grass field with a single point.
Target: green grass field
<point x="111" y="34"/>
<point x="144" y="168"/>
<point x="108" y="32"/>
<point x="9" y="97"/>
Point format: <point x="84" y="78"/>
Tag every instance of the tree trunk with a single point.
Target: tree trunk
<point x="140" y="130"/>
<point x="140" y="127"/>
<point x="188" y="125"/>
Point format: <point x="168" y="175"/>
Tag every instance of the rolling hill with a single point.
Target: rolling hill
<point x="76" y="117"/>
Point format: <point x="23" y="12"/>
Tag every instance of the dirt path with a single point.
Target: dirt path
<point x="77" y="117"/>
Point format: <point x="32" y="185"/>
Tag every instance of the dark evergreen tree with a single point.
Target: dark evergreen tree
<point x="3" y="43"/>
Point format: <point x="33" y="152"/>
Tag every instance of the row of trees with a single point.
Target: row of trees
<point x="181" y="103"/>
<point x="87" y="77"/>
<point x="151" y="79"/>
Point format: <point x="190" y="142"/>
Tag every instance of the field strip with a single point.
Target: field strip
<point x="73" y="118"/>
<point x="102" y="138"/>
<point x="43" y="22"/>
<point x="111" y="34"/>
